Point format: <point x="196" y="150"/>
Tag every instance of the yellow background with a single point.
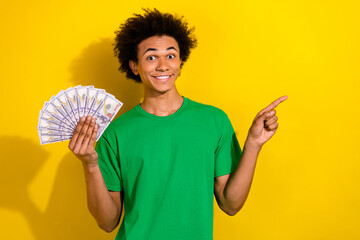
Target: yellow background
<point x="306" y="183"/>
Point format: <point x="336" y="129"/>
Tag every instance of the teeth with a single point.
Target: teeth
<point x="162" y="77"/>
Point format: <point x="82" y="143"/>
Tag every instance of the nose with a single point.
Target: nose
<point x="162" y="65"/>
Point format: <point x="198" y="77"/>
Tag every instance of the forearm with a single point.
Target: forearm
<point x="239" y="183"/>
<point x="101" y="205"/>
<point x="237" y="186"/>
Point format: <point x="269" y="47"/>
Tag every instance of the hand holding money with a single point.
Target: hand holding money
<point x="83" y="139"/>
<point x="62" y="113"/>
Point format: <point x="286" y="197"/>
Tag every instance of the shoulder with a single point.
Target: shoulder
<point x="214" y="118"/>
<point x="207" y="110"/>
<point x="121" y="123"/>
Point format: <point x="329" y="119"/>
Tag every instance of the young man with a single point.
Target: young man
<point x="165" y="158"/>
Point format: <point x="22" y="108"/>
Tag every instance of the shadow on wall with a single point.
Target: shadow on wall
<point x="98" y="66"/>
<point x="66" y="216"/>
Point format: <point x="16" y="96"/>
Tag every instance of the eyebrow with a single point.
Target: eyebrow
<point x="154" y="49"/>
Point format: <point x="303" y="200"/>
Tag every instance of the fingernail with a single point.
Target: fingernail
<point x="82" y="119"/>
<point x="88" y="117"/>
<point x="93" y="120"/>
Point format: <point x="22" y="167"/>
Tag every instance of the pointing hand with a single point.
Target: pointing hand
<point x="264" y="125"/>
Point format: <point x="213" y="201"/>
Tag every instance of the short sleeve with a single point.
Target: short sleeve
<point x="228" y="151"/>
<point x="109" y="165"/>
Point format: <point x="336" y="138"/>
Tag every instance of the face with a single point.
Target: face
<point x="158" y="64"/>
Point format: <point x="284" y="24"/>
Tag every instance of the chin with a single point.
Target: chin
<point x="162" y="87"/>
<point x="162" y="91"/>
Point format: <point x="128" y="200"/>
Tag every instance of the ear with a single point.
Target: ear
<point x="180" y="67"/>
<point x="133" y="66"/>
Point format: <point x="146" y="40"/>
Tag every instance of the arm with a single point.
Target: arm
<point x="105" y="206"/>
<point x="231" y="190"/>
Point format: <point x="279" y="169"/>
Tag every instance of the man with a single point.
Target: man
<point x="165" y="158"/>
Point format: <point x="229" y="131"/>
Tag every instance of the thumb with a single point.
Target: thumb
<point x="265" y="116"/>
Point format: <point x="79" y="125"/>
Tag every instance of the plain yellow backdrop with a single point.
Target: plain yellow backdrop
<point x="306" y="183"/>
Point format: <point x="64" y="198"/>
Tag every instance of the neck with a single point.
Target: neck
<point x="162" y="104"/>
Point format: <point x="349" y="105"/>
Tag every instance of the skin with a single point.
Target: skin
<point x="157" y="56"/>
<point x="231" y="190"/>
<point x="104" y="205"/>
<point x="160" y="56"/>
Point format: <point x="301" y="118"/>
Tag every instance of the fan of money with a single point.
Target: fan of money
<point x="62" y="112"/>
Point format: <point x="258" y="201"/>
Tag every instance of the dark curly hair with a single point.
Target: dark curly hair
<point x="152" y="23"/>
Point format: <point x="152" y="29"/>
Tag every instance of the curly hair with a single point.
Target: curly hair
<point x="152" y="23"/>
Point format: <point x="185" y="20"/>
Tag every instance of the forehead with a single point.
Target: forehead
<point x="158" y="42"/>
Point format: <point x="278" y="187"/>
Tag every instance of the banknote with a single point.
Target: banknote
<point x="56" y="115"/>
<point x="61" y="114"/>
<point x="44" y="139"/>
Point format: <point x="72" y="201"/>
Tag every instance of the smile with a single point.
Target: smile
<point x="165" y="77"/>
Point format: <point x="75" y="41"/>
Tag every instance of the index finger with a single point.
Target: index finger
<point x="275" y="103"/>
<point x="272" y="105"/>
<point x="76" y="133"/>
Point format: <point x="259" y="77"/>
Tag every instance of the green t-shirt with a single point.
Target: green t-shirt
<point x="166" y="167"/>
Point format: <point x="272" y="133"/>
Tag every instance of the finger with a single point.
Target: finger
<point x="272" y="105"/>
<point x="272" y="114"/>
<point x="82" y="134"/>
<point x="270" y="121"/>
<point x="260" y="120"/>
<point x="273" y="126"/>
<point x="88" y="135"/>
<point x="93" y="136"/>
<point x="76" y="133"/>
<point x="276" y="102"/>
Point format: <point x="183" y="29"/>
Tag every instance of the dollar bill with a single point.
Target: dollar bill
<point x="61" y="114"/>
<point x="44" y="139"/>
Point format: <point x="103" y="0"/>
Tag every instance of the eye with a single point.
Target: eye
<point x="150" y="58"/>
<point x="171" y="56"/>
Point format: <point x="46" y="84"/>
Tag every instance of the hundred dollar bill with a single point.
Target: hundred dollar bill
<point x="91" y="104"/>
<point x="104" y="109"/>
<point x="73" y="101"/>
<point x="107" y="112"/>
<point x="60" y="116"/>
<point x="50" y="132"/>
<point x="82" y="96"/>
<point x="56" y="128"/>
<point x="61" y="103"/>
<point x="44" y="139"/>
<point x="52" y="112"/>
<point x="109" y="108"/>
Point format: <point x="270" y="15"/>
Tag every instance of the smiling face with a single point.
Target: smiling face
<point x="158" y="64"/>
